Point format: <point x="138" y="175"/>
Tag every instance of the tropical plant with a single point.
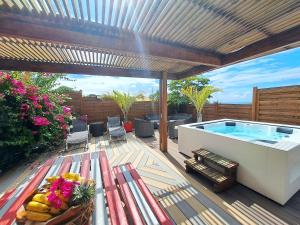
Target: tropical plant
<point x="154" y="96"/>
<point x="199" y="98"/>
<point x="123" y="100"/>
<point x="176" y="98"/>
<point x="64" y="89"/>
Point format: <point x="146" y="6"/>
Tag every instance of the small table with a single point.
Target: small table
<point x="97" y="129"/>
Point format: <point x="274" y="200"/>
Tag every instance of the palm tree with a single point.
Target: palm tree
<point x="199" y="98"/>
<point x="123" y="100"/>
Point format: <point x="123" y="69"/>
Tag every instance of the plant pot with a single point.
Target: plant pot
<point x="128" y="126"/>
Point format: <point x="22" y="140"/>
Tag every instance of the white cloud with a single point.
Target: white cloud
<point x="103" y="84"/>
<point x="253" y="77"/>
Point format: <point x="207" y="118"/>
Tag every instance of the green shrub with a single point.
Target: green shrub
<point x="32" y="115"/>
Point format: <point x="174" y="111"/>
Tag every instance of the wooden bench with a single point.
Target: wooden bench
<point x="221" y="171"/>
<point x="140" y="203"/>
<point x="110" y="206"/>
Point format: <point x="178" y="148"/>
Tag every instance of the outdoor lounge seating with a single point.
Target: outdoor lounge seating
<point x="115" y="130"/>
<point x="185" y="117"/>
<point x="79" y="133"/>
<point x="109" y="208"/>
<point x="221" y="171"/>
<point x="143" y="128"/>
<point x="172" y="128"/>
<point x="154" y="118"/>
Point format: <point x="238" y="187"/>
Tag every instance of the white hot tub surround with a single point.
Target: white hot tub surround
<point x="272" y="169"/>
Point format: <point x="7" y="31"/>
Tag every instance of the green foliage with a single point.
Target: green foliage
<point x="32" y="115"/>
<point x="176" y="98"/>
<point x="154" y="96"/>
<point x="64" y="89"/>
<point x="199" y="97"/>
<point x="83" y="194"/>
<point x="123" y="100"/>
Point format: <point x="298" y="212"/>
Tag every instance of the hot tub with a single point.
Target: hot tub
<point x="268" y="154"/>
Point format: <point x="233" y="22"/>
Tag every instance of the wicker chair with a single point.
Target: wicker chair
<point x="115" y="130"/>
<point x="143" y="128"/>
<point x="79" y="133"/>
<point x="173" y="132"/>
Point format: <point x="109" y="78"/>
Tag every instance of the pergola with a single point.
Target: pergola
<point x="161" y="39"/>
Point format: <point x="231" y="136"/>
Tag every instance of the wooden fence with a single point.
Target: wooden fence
<point x="221" y="111"/>
<point x="98" y="110"/>
<point x="278" y="105"/>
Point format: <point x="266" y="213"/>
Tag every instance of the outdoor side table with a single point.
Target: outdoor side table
<point x="97" y="129"/>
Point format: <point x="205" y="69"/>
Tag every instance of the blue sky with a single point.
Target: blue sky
<point x="236" y="81"/>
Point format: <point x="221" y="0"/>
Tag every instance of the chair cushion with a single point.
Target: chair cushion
<point x="113" y="121"/>
<point x="79" y="125"/>
<point x="77" y="137"/>
<point x="116" y="131"/>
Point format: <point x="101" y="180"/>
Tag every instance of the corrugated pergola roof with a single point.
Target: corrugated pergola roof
<point x="142" y="38"/>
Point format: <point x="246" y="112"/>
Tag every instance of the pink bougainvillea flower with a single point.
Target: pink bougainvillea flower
<point x="19" y="87"/>
<point x="33" y="97"/>
<point x="31" y="90"/>
<point x="54" y="200"/>
<point x="45" y="98"/>
<point x="60" y="118"/>
<point x="7" y="77"/>
<point x="56" y="184"/>
<point x="66" y="109"/>
<point x="25" y="108"/>
<point x="67" y="188"/>
<point x="49" y="105"/>
<point x="40" y="121"/>
<point x="20" y="91"/>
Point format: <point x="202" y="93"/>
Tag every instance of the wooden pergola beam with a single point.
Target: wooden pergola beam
<point x="28" y="28"/>
<point x="261" y="47"/>
<point x="193" y="71"/>
<point x="163" y="112"/>
<point x="17" y="65"/>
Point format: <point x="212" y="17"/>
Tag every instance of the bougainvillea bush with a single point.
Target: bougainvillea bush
<point x="32" y="116"/>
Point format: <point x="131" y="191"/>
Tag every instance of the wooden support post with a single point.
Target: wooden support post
<point x="254" y="103"/>
<point x="163" y="113"/>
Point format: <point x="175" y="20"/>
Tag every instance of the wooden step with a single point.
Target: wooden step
<point x="206" y="171"/>
<point x="216" y="159"/>
<point x="220" y="181"/>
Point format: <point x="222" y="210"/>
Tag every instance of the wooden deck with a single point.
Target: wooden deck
<point x="247" y="206"/>
<point x="188" y="198"/>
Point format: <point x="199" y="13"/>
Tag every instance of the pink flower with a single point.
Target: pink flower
<point x="20" y="91"/>
<point x="67" y="188"/>
<point x="56" y="184"/>
<point x="31" y="90"/>
<point x="54" y="200"/>
<point x="45" y="98"/>
<point x="7" y="77"/>
<point x="40" y="121"/>
<point x="60" y="118"/>
<point x="19" y="87"/>
<point x="49" y="105"/>
<point x="25" y="108"/>
<point x="66" y="109"/>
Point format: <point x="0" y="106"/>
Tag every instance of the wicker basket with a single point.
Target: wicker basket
<point x="75" y="215"/>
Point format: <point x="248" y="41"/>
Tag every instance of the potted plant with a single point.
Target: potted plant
<point x="199" y="98"/>
<point x="124" y="101"/>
